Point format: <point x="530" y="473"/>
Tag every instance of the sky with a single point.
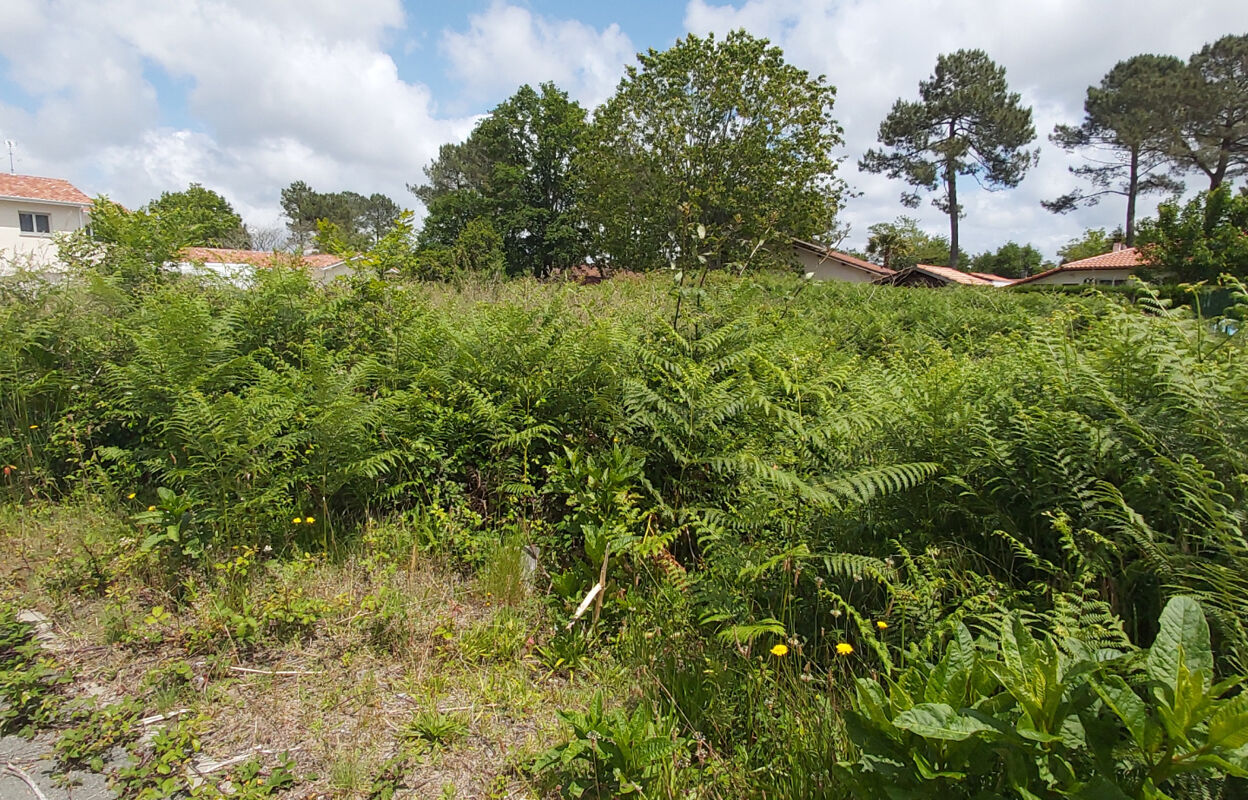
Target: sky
<point x="131" y="98"/>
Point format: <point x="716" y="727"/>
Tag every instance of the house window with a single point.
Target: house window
<point x="34" y="223"/>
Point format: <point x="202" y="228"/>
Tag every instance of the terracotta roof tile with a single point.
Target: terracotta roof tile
<point x="1117" y="259"/>
<point x="257" y="258"/>
<point x="54" y="190"/>
<point x="953" y="275"/>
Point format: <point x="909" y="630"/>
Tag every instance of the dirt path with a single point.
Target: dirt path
<point x="31" y="759"/>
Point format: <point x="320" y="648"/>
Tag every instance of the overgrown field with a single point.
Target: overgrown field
<point x="846" y="540"/>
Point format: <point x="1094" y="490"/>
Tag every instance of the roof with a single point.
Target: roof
<point x="951" y="275"/>
<point x="1126" y="258"/>
<point x="47" y="190"/>
<point x="844" y="258"/>
<point x="257" y="258"/>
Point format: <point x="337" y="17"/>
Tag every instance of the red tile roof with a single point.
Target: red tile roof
<point x="844" y="258"/>
<point x="257" y="258"/>
<point x="51" y="190"/>
<point x="1125" y="258"/>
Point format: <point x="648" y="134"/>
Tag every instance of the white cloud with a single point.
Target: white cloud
<point x="278" y="91"/>
<point x="508" y="45"/>
<point x="876" y="52"/>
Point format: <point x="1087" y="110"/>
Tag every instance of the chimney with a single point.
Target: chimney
<point x="1119" y="246"/>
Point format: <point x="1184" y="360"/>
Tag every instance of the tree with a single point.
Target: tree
<point x="477" y="251"/>
<point x="1212" y="101"/>
<point x="901" y="244"/>
<point x="966" y="122"/>
<point x="1126" y="130"/>
<point x="518" y="170"/>
<point x="356" y="222"/>
<point x="199" y="217"/>
<point x="1011" y="260"/>
<point x="709" y="152"/>
<point x="1200" y="240"/>
<point x="1093" y="242"/>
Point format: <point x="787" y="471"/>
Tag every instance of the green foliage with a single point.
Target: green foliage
<point x="1011" y="716"/>
<point x="1093" y="242"/>
<point x="436" y="727"/>
<point x="1211" y="110"/>
<point x="612" y="753"/>
<point x="508" y="198"/>
<point x="202" y="217"/>
<point x="966" y="122"/>
<point x="719" y="135"/>
<point x="1126" y="126"/>
<point x="901" y="243"/>
<point x="29" y="680"/>
<point x="92" y="732"/>
<point x="1011" y="260"/>
<point x="344" y="221"/>
<point x="1200" y="240"/>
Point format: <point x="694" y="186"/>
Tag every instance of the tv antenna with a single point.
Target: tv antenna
<point x="9" y="143"/>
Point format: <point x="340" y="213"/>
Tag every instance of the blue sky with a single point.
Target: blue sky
<point x="134" y="97"/>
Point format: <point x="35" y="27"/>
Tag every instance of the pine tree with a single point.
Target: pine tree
<point x="966" y="122"/>
<point x="1124" y="134"/>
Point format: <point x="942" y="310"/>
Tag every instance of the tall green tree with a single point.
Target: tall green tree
<point x="518" y="170"/>
<point x="199" y="217"/>
<point x="1212" y="102"/>
<point x="710" y="152"/>
<point x="966" y="122"/>
<point x="353" y="222"/>
<point x="1200" y="239"/>
<point x="1125" y="135"/>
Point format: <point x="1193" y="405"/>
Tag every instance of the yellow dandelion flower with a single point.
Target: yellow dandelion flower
<point x="34" y="427"/>
<point x="309" y="520"/>
<point x="151" y="508"/>
<point x="297" y="520"/>
<point x="130" y="496"/>
<point x="881" y="624"/>
<point x="844" y="649"/>
<point x="780" y="650"/>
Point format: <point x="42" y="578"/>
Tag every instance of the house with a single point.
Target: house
<point x="1108" y="269"/>
<point x="240" y="264"/>
<point x="32" y="211"/>
<point x="824" y="264"/>
<point x="931" y="276"/>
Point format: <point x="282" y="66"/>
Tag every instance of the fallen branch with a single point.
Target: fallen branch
<point x="162" y="717"/>
<point x="250" y="671"/>
<point x="24" y="777"/>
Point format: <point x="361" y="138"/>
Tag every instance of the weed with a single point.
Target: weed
<point x="92" y="732"/>
<point x="436" y="727"/>
<point x="501" y="637"/>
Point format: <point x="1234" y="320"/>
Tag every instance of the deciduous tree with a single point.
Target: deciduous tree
<point x="199" y="217"/>
<point x="1200" y="239"/>
<point x="966" y="122"/>
<point x="902" y="243"/>
<point x="517" y="170"/>
<point x="709" y="152"/>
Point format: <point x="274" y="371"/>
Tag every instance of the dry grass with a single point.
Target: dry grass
<point x="377" y="639"/>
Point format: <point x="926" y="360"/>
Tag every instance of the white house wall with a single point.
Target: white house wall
<point x="34" y="250"/>
<point x="829" y="269"/>
<point x="1083" y="277"/>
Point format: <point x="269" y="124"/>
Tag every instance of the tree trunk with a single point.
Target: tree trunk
<point x="1219" y="172"/>
<point x="1133" y="183"/>
<point x="951" y="184"/>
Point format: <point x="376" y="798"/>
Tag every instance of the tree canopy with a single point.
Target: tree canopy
<point x="902" y="243"/>
<point x="1010" y="260"/>
<point x="1200" y="239"/>
<point x="1211" y="136"/>
<point x="199" y="217"/>
<point x="1093" y="242"/>
<point x="517" y="170"/>
<point x="710" y="152"/>
<point x="353" y="222"/>
<point x="1125" y="136"/>
<point x="966" y="122"/>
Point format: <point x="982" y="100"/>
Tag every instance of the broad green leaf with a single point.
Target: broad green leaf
<point x="938" y="721"/>
<point x="1128" y="707"/>
<point x="1183" y="634"/>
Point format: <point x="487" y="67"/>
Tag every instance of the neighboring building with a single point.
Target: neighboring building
<point x="32" y="211"/>
<point x="930" y="276"/>
<point x="824" y="264"/>
<point x="1108" y="269"/>
<point x="241" y="264"/>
